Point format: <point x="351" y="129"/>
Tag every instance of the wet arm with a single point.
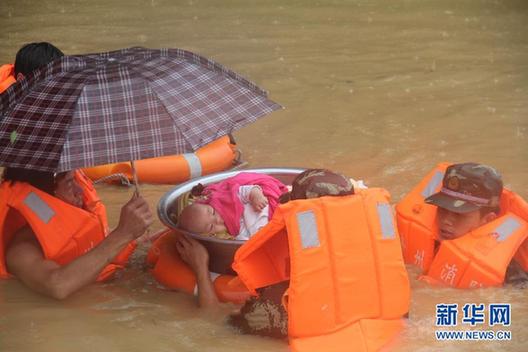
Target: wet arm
<point x="25" y="258"/>
<point x="206" y="294"/>
<point x="196" y="256"/>
<point x="26" y="261"/>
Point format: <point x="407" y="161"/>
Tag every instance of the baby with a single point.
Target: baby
<point x="239" y="206"/>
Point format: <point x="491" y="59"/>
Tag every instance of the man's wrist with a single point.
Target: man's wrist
<point x="121" y="238"/>
<point x="202" y="272"/>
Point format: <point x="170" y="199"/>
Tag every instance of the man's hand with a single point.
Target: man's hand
<point x="193" y="254"/>
<point x="135" y="218"/>
<point x="257" y="199"/>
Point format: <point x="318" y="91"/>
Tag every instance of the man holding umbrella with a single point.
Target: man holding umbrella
<point x="87" y="110"/>
<point x="31" y="250"/>
<point x="51" y="242"/>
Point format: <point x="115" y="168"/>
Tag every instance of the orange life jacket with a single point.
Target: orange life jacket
<point x="93" y="204"/>
<point x="172" y="272"/>
<point x="348" y="285"/>
<point x="7" y="76"/>
<point x="64" y="232"/>
<point x="477" y="259"/>
<point x="91" y="199"/>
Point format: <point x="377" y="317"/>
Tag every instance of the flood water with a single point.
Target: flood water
<point x="378" y="90"/>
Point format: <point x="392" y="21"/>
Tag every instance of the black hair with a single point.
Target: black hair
<point x="45" y="181"/>
<point x="30" y="57"/>
<point x="34" y="55"/>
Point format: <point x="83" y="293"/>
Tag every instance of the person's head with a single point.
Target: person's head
<point x="315" y="183"/>
<point x="201" y="219"/>
<point x="34" y="55"/>
<point x="68" y="190"/>
<point x="62" y="185"/>
<point x="469" y="198"/>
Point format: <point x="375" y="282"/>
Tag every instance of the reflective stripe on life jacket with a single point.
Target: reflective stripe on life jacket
<point x="348" y="285"/>
<point x="7" y="76"/>
<point x="64" y="232"/>
<point x="172" y="272"/>
<point x="477" y="259"/>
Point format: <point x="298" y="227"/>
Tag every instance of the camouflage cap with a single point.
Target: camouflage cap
<point x="467" y="187"/>
<point x="314" y="183"/>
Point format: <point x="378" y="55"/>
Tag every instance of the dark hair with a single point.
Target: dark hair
<point x="34" y="55"/>
<point x="45" y="181"/>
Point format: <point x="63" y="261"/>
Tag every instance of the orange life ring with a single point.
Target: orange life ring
<point x="172" y="272"/>
<point x="215" y="156"/>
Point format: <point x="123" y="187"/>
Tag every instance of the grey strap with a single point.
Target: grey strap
<point x="386" y="221"/>
<point x="39" y="207"/>
<point x="308" y="229"/>
<point x="507" y="228"/>
<point x="432" y="186"/>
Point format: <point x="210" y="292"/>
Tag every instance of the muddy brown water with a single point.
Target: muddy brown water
<point x="378" y="90"/>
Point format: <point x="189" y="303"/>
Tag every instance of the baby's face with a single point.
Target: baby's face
<point x="207" y="220"/>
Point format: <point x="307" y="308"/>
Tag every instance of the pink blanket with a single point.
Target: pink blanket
<point x="223" y="196"/>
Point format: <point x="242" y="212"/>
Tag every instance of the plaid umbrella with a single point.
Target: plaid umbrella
<point x="130" y="104"/>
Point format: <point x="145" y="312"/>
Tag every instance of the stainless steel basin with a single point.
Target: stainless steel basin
<point x="221" y="252"/>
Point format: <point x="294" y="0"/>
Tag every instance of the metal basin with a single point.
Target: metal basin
<point x="221" y="252"/>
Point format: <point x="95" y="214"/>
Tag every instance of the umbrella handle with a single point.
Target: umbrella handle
<point x="134" y="178"/>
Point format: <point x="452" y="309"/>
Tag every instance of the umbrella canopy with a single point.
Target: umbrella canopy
<point x="130" y="104"/>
